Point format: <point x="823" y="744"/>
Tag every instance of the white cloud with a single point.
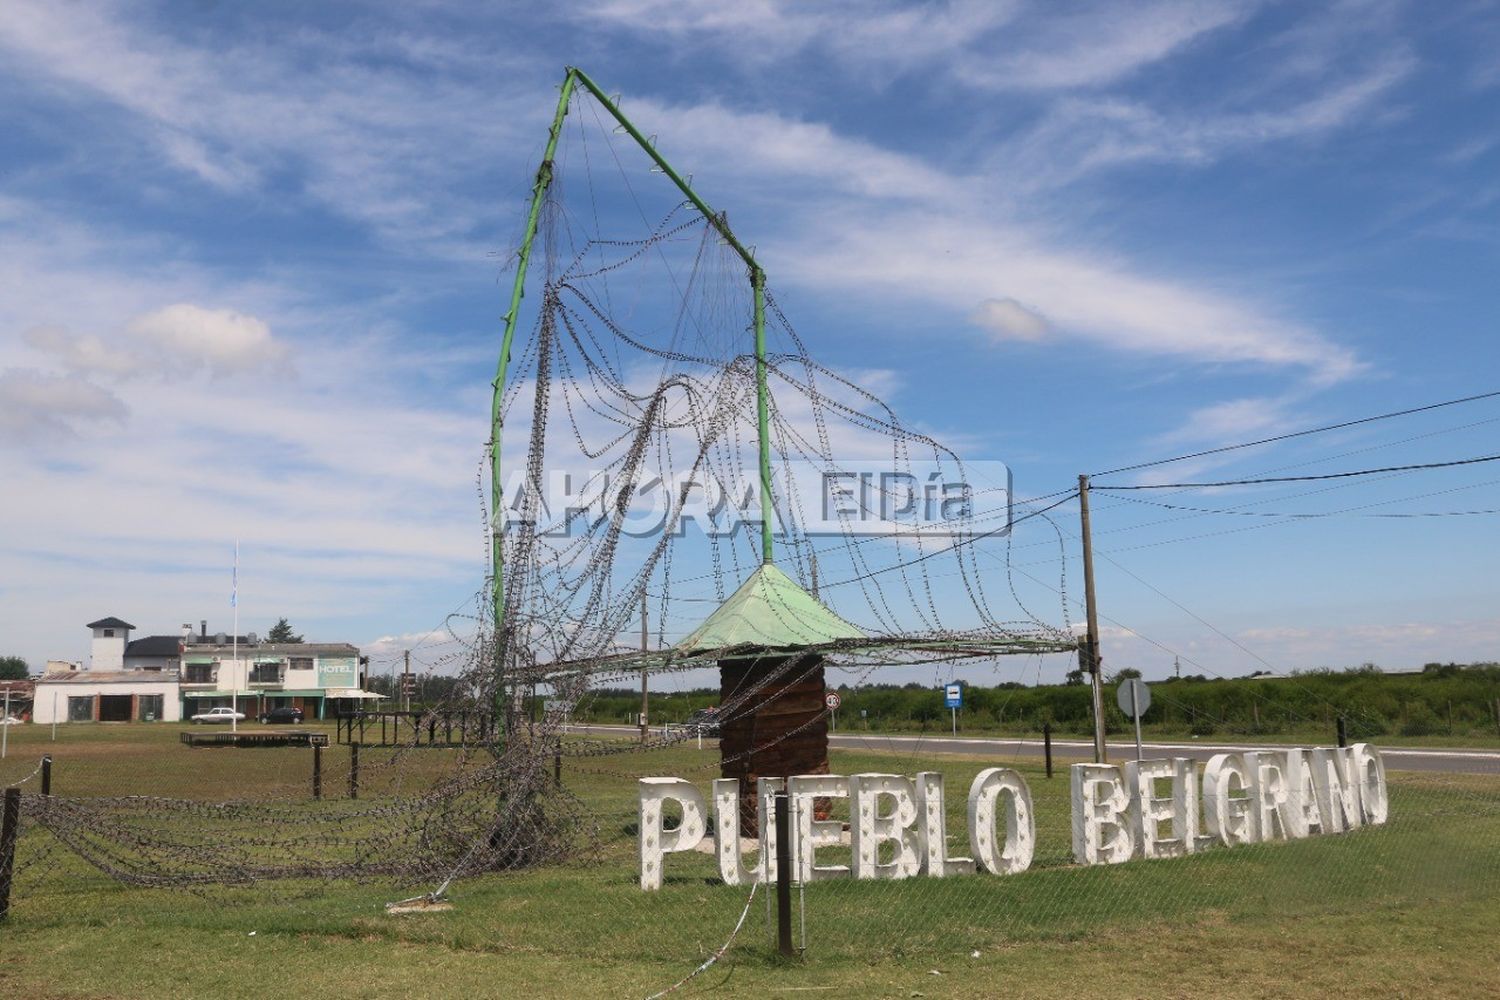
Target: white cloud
<point x="1395" y="645"/>
<point x="222" y="340"/>
<point x="1098" y="44"/>
<point x="985" y="44"/>
<point x="373" y="139"/>
<point x="36" y="406"/>
<point x="1078" y="136"/>
<point x="751" y="145"/>
<point x="954" y="262"/>
<point x="1007" y="319"/>
<point x="84" y="353"/>
<point x="168" y="342"/>
<point x="1235" y="420"/>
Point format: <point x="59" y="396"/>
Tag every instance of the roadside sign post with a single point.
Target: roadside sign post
<point x="1134" y="697"/>
<point x="953" y="699"/>
<point x="559" y="707"/>
<point x="833" y="701"/>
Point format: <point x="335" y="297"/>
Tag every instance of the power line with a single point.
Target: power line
<point x="1302" y="515"/>
<point x="1302" y="433"/>
<point x="970" y="540"/>
<point x="1303" y="479"/>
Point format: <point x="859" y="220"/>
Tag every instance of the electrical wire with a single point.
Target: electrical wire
<point x="1303" y="479"/>
<point x="1302" y="433"/>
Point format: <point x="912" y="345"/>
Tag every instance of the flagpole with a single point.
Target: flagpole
<point x="234" y="602"/>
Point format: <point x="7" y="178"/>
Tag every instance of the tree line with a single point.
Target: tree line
<point x="1443" y="699"/>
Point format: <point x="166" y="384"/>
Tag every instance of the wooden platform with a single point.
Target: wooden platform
<point x="442" y="730"/>
<point x="255" y="738"/>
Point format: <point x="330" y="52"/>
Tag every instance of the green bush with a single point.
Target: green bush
<point x="1420" y="720"/>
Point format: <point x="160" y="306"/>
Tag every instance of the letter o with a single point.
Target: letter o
<point x="1014" y="854"/>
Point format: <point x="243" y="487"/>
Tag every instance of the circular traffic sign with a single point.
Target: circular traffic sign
<point x="833" y="701"/>
<point x="1133" y="696"/>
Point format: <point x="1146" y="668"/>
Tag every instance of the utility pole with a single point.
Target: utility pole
<point x="1090" y="652"/>
<point x="1177" y="666"/>
<point x="406" y="681"/>
<point x="645" y="640"/>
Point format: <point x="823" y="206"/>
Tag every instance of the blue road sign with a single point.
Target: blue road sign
<point x="953" y="696"/>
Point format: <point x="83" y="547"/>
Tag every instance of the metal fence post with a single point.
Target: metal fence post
<point x="317" y="772"/>
<point x="783" y="876"/>
<point x="1343" y="733"/>
<point x="47" y="774"/>
<point x="354" y="770"/>
<point x="10" y="827"/>
<point x="1047" y="745"/>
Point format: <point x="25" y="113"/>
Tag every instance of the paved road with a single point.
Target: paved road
<point x="1454" y="761"/>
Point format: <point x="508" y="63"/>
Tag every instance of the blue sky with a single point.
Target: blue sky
<point x="251" y="274"/>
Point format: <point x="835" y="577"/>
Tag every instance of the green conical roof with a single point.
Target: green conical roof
<point x="771" y="610"/>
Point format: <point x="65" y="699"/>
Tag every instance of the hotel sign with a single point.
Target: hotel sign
<point x="338" y="671"/>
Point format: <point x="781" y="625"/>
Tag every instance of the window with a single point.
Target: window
<point x="148" y="708"/>
<point x="81" y="709"/>
<point x="301" y="663"/>
<point x="265" y="673"/>
<point x="109" y="633"/>
<point x="201" y="673"/>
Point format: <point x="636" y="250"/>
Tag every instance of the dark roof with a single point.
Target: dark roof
<point x="154" y="645"/>
<point x="110" y="622"/>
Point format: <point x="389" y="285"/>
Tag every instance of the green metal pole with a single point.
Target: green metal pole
<point x="518" y="290"/>
<point x="762" y="414"/>
<point x="714" y="218"/>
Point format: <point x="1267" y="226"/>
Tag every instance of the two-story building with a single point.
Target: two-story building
<point x="173" y="677"/>
<point x="255" y="676"/>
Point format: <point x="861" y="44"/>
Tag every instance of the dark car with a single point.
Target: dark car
<point x="281" y="715"/>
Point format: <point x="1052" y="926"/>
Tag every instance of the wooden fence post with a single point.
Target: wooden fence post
<point x="783" y="876"/>
<point x="10" y="828"/>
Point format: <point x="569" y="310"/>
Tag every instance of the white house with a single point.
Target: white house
<point x="106" y="696"/>
<point x="169" y="678"/>
<point x="256" y="676"/>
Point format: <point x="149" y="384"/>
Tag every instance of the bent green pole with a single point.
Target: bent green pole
<point x="762" y="414"/>
<point x="518" y="290"/>
<point x="757" y="284"/>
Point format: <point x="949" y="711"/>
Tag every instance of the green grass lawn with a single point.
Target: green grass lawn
<point x="1405" y="909"/>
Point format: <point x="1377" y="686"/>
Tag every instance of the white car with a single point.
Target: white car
<point x="10" y="720"/>
<point x="221" y="714"/>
